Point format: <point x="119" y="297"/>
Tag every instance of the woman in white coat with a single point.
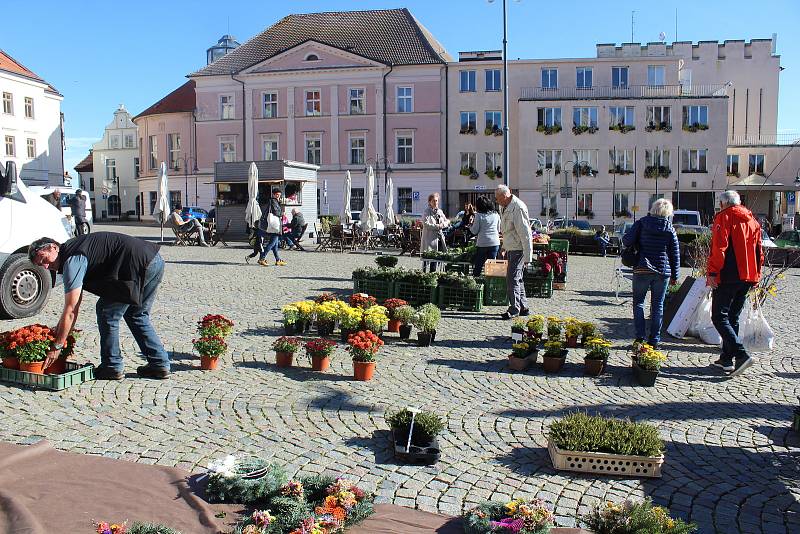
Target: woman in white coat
<point x="433" y="221"/>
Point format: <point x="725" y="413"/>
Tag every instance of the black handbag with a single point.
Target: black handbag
<point x="630" y="256"/>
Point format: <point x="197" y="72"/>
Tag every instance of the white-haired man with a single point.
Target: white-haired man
<point x="516" y="229"/>
<point x="734" y="267"/>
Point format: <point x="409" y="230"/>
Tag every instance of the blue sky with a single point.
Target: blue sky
<point x="100" y="54"/>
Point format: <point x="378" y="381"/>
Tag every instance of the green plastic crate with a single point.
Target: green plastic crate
<point x="415" y="294"/>
<point x="559" y="245"/>
<point x="536" y="286"/>
<point x="456" y="298"/>
<point x="495" y="291"/>
<point x="458" y="267"/>
<point x="380" y="289"/>
<point x="75" y="374"/>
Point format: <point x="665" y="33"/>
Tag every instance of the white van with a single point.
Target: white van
<point x="67" y="194"/>
<point x="25" y="217"/>
<point x="688" y="219"/>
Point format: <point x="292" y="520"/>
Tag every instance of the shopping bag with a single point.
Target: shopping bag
<point x="704" y="327"/>
<point x="273" y="224"/>
<point x="687" y="311"/>
<point x="754" y="331"/>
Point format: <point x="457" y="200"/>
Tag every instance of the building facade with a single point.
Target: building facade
<point x="31" y="124"/>
<point x="115" y="166"/>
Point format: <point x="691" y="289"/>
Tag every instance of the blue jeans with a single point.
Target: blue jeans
<point x="481" y="255"/>
<point x="272" y="241"/>
<point x="727" y="302"/>
<point x="138" y="320"/>
<point x="657" y="285"/>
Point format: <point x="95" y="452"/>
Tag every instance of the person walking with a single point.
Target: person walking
<point x="734" y="267"/>
<point x="433" y="222"/>
<point x="517" y="236"/>
<point x="487" y="227"/>
<point x="78" y="206"/>
<point x="271" y="232"/>
<point x="659" y="264"/>
<point x="125" y="273"/>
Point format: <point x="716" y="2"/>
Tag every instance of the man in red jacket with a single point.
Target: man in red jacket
<point x="734" y="267"/>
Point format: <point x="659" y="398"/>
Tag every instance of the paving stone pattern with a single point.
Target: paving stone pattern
<point x="731" y="457"/>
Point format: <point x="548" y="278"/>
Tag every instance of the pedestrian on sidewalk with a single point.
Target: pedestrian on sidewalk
<point x="486" y="226"/>
<point x="125" y="273"/>
<point x="517" y="236"/>
<point x="433" y="222"/>
<point x="271" y="227"/>
<point x="734" y="267"/>
<point x="78" y="205"/>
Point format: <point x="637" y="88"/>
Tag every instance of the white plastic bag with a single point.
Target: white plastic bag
<point x="754" y="331"/>
<point x="703" y="325"/>
<point x="687" y="311"/>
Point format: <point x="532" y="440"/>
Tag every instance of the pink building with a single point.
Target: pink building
<point x="339" y="90"/>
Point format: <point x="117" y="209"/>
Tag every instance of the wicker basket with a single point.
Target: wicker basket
<point x="604" y="463"/>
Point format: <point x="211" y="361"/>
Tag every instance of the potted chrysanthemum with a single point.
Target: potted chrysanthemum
<point x="320" y="350"/>
<point x="363" y="346"/>
<point x="284" y="348"/>
<point x="554" y="356"/>
<point x="597" y="350"/>
<point x="210" y="349"/>
<point x="404" y="314"/>
<point x="391" y="305"/>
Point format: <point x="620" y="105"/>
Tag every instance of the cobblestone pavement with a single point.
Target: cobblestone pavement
<point x="731" y="461"/>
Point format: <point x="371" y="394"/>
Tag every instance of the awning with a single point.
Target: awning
<point x="274" y="171"/>
<point x="756" y="182"/>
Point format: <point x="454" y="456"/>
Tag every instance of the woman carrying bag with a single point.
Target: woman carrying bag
<point x="270" y="227"/>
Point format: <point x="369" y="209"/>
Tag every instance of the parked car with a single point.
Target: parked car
<point x="571" y="223"/>
<point x="537" y="225"/>
<point x="767" y="241"/>
<point x="789" y="238"/>
<point x="687" y="219"/>
<point x="193" y="211"/>
<point x="67" y="194"/>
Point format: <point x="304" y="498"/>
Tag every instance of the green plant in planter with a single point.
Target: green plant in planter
<point x="554" y="325"/>
<point x="404" y="314"/>
<point x="427" y="318"/>
<point x="427" y="425"/>
<point x="572" y="328"/>
<point x="364" y="273"/>
<point x="536" y="324"/>
<point x="458" y="280"/>
<point x="650" y="359"/>
<point x="581" y="432"/>
<point x="386" y="261"/>
<point x="552" y="349"/>
<point x="518" y="325"/>
<point x="521" y="349"/>
<point x="597" y="348"/>
<point x="419" y="277"/>
<point x="631" y="516"/>
<point x="588" y="330"/>
<point x="290" y="314"/>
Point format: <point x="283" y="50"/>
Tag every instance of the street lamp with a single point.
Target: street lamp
<point x="549" y="172"/>
<point x="577" y="169"/>
<point x="387" y="169"/>
<point x="186" y="160"/>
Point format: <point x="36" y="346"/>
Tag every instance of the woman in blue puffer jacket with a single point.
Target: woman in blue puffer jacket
<point x="659" y="264"/>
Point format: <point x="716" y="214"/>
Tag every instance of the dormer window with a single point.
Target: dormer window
<point x="312" y="57"/>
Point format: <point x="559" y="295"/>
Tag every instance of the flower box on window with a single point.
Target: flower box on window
<point x="619" y="170"/>
<point x="548" y="130"/>
<point x="578" y="130"/>
<point x="493" y="130"/>
<point x="622" y="213"/>
<point x="653" y="171"/>
<point x="736" y="174"/>
<point x="694" y="127"/>
<point x="622" y="128"/>
<point x="469" y="130"/>
<point x="662" y="126"/>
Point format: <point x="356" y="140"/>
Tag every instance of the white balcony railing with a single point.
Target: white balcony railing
<point x="764" y="139"/>
<point x="632" y="91"/>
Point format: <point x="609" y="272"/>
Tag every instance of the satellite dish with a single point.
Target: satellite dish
<point x="662" y="37"/>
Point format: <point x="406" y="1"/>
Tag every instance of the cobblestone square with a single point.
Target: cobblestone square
<point x="731" y="460"/>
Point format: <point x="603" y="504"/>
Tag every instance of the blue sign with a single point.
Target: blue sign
<point x="790" y="196"/>
<point x="415" y="195"/>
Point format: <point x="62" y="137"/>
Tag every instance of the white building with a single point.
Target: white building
<point x="115" y="163"/>
<point x="31" y="124"/>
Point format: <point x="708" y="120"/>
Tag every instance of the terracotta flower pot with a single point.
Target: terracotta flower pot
<point x="553" y="364"/>
<point x="208" y="363"/>
<point x="594" y="367"/>
<point x="518" y="364"/>
<point x="320" y="362"/>
<point x="363" y="371"/>
<point x="58" y="367"/>
<point x="11" y="362"/>
<point x="572" y="342"/>
<point x="32" y="367"/>
<point x="405" y="331"/>
<point x="284" y="359"/>
<point x="394" y="325"/>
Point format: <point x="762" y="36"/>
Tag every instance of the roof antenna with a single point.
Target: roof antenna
<point x="632" y="13"/>
<point x="676" y="24"/>
<point x="229" y="24"/>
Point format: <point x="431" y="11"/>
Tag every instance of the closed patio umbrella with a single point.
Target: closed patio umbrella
<point x="162" y="210"/>
<point x="253" y="211"/>
<point x="346" y="216"/>
<point x="369" y="222"/>
<point x="391" y="218"/>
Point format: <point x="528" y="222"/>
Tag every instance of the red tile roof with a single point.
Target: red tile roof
<point x="9" y="64"/>
<point x="86" y="164"/>
<point x="388" y="36"/>
<point x="180" y="100"/>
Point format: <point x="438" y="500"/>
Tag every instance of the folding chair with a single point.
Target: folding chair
<point x="622" y="276"/>
<point x="184" y="238"/>
<point x="323" y="238"/>
<point x="220" y="236"/>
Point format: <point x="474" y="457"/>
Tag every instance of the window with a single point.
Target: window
<point x="8" y="103"/>
<point x="584" y="77"/>
<point x="493" y="121"/>
<point x="129" y="141"/>
<point x="467" y="84"/>
<point x="658" y="117"/>
<point x="91" y="183"/>
<point x="549" y="117"/>
<point x="549" y="203"/>
<point x="755" y="162"/>
<point x="356" y="199"/>
<point x="404" y="198"/>
<point x="655" y="75"/>
<point x="494" y="160"/>
<point x="405" y="100"/>
<point x="695" y="117"/>
<point x="619" y="77"/>
<point x="269" y="105"/>
<point x="549" y="78"/>
<point x="313" y="102"/>
<point x="548" y="159"/>
<point x="10" y="150"/>
<point x="152" y="143"/>
<point x="733" y="165"/>
<point x="469" y="122"/>
<point x="114" y="206"/>
<point x="620" y="116"/>
<point x="269" y="147"/>
<point x="356" y="98"/>
<point x="312" y="57"/>
<point x="586" y="117"/>
<point x="621" y="205"/>
<point x="28" y="107"/>
<point x="111" y="169"/>
<point x="469" y="162"/>
<point x="153" y="201"/>
<point x="694" y="159"/>
<point x="405" y="148"/>
<point x="137" y="168"/>
<point x="656" y="158"/>
<point x="358" y="147"/>
<point x="175" y="198"/>
<point x="314" y="149"/>
<point x="584" y="203"/>
<point x="114" y="141"/>
<point x="227" y="148"/>
<point x="493" y="80"/>
<point x="583" y="156"/>
<point x="226" y="110"/>
<point x="174" y="151"/>
<point x="31" y="148"/>
<point x="620" y="161"/>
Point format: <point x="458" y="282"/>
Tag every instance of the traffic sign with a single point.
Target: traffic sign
<point x="415" y="195"/>
<point x="790" y="196"/>
<point x="566" y="192"/>
<point x="480" y="188"/>
<point x="634" y="208"/>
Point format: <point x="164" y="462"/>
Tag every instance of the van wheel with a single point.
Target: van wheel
<point x="86" y="228"/>
<point x="24" y="287"/>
